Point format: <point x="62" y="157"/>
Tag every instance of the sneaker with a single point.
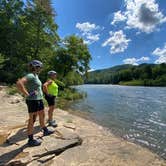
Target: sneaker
<point x="52" y="123"/>
<point x="47" y="132"/>
<point x="34" y="142"/>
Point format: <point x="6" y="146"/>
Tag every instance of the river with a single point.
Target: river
<point x="137" y="114"/>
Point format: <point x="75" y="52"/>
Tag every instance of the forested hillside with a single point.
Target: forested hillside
<point x="144" y="74"/>
<point x="28" y="31"/>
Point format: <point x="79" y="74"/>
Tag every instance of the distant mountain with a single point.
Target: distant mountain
<point x="144" y="74"/>
<point x="113" y="69"/>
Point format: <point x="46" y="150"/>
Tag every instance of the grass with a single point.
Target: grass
<point x="132" y="83"/>
<point x="68" y="95"/>
<point x="71" y="94"/>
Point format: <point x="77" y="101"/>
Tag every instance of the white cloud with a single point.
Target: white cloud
<point x="118" y="16"/>
<point x="117" y="41"/>
<point x="161" y="52"/>
<point x="134" y="61"/>
<point x="161" y="59"/>
<point x="143" y="59"/>
<point x="87" y="32"/>
<point x="143" y="15"/>
<point x="93" y="37"/>
<point x="86" y="27"/>
<point x="90" y="38"/>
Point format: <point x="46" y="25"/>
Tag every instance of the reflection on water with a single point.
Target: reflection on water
<point x="136" y="113"/>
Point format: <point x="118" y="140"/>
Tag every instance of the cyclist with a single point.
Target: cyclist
<point x="50" y="89"/>
<point x="31" y="86"/>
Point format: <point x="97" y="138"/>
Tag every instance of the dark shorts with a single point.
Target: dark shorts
<point x="35" y="105"/>
<point x="50" y="100"/>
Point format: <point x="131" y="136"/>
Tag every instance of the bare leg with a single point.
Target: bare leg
<point x="41" y="118"/>
<point x="50" y="112"/>
<point x="46" y="131"/>
<point x="32" y="118"/>
<point x="31" y="121"/>
<point x="51" y="122"/>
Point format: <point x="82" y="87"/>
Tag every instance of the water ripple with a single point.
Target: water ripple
<point x="136" y="113"/>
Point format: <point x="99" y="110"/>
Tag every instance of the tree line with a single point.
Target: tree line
<point x="28" y="31"/>
<point x="144" y="74"/>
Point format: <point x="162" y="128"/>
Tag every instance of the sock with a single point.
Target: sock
<point x="30" y="137"/>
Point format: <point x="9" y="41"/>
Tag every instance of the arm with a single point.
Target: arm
<point x="45" y="85"/>
<point x="21" y="86"/>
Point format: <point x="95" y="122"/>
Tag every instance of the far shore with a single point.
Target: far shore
<point x="125" y="84"/>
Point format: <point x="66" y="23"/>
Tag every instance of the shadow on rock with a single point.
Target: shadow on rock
<point x="19" y="135"/>
<point x="6" y="157"/>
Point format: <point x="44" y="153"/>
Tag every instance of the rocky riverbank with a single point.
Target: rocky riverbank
<point x="75" y="142"/>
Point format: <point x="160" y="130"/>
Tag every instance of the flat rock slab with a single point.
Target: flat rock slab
<point x="16" y="152"/>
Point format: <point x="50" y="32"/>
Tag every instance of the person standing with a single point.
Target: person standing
<point x="31" y="86"/>
<point x="50" y="89"/>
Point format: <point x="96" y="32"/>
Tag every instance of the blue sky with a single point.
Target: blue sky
<point x="116" y="31"/>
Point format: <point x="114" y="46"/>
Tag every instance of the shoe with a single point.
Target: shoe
<point x="34" y="142"/>
<point x="52" y="123"/>
<point x="47" y="132"/>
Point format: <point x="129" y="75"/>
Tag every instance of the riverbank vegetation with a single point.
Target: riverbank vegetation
<point x="144" y="74"/>
<point x="28" y="31"/>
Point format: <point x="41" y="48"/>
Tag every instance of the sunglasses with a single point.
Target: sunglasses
<point x="38" y="66"/>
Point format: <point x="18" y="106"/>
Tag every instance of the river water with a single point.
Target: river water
<point x="137" y="114"/>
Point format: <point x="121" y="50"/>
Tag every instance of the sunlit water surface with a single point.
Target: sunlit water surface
<point x="135" y="113"/>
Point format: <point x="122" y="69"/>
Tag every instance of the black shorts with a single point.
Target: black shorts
<point x="50" y="99"/>
<point x="35" y="105"/>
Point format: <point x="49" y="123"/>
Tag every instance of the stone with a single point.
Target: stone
<point x="70" y="126"/>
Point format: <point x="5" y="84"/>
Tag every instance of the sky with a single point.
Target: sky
<point x="116" y="31"/>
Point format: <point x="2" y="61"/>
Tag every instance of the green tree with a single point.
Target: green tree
<point x="11" y="37"/>
<point x="72" y="57"/>
<point x="79" y="53"/>
<point x="42" y="29"/>
<point x="27" y="32"/>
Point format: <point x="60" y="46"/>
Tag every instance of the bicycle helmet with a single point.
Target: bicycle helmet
<point x="36" y="63"/>
<point x="52" y="72"/>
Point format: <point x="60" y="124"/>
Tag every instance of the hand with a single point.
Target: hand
<point x="33" y="93"/>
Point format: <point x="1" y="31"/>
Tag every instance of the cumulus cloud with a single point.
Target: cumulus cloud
<point x="118" y="16"/>
<point x="143" y="59"/>
<point x="141" y="14"/>
<point x="117" y="41"/>
<point x="134" y="61"/>
<point x="161" y="53"/>
<point x="88" y="32"/>
<point x="86" y="26"/>
<point x="93" y="37"/>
